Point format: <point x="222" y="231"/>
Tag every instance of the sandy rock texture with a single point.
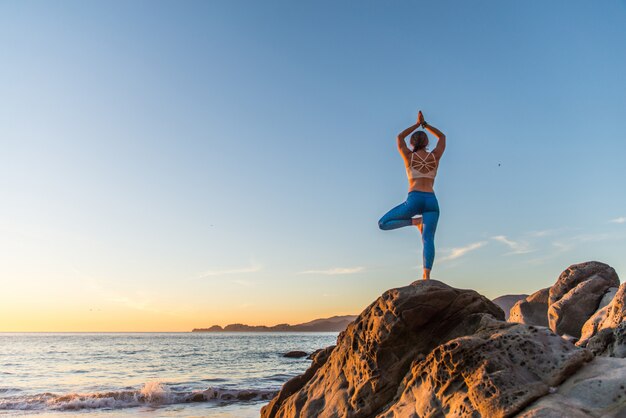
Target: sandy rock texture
<point x="597" y="390"/>
<point x="605" y="332"/>
<point x="430" y="350"/>
<point x="373" y="355"/>
<point x="533" y="310"/>
<point x="295" y="384"/>
<point x="495" y="372"/>
<point x="576" y="295"/>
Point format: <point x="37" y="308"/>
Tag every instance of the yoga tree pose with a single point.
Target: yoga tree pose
<point x="421" y="169"/>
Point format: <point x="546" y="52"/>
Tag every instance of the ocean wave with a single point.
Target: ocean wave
<point x="214" y="379"/>
<point x="152" y="393"/>
<point x="131" y="352"/>
<point x="279" y="377"/>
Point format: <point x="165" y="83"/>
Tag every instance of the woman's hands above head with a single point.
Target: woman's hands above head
<point x="420" y="118"/>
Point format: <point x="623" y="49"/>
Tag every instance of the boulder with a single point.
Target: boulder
<point x="576" y="295"/>
<point x="577" y="273"/>
<point x="296" y="383"/>
<point x="568" y="314"/>
<point x="373" y="355"/>
<point x="495" y="372"/>
<point x="430" y="350"/>
<point x="295" y="354"/>
<point x="599" y="320"/>
<point x="533" y="310"/>
<point x="609" y="342"/>
<point x="608" y="297"/>
<point x="596" y="390"/>
<point x="506" y="302"/>
<point x="616" y="309"/>
<point x="605" y="332"/>
<point x="314" y="353"/>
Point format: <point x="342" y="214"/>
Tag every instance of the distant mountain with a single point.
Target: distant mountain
<point x="506" y="302"/>
<point x="332" y="324"/>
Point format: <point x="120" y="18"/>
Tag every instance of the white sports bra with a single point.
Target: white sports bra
<point x="421" y="167"/>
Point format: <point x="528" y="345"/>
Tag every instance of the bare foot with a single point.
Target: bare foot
<point x="426" y="275"/>
<point x="418" y="223"/>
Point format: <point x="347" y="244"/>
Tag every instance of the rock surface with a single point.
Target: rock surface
<point x="576" y="295"/>
<point x="506" y="302"/>
<point x="597" y="390"/>
<point x="295" y="354"/>
<point x="578" y="273"/>
<point x="533" y="310"/>
<point x="430" y="350"/>
<point x="494" y="373"/>
<point x="295" y="384"/>
<point x="595" y="322"/>
<point x="609" y="342"/>
<point x="605" y="332"/>
<point x="373" y="355"/>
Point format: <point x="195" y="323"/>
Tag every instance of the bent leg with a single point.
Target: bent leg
<point x="429" y="222"/>
<point x="398" y="217"/>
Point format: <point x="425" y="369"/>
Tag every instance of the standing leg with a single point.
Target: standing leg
<point x="429" y="220"/>
<point x="429" y="225"/>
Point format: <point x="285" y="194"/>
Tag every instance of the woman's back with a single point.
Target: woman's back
<point x="421" y="169"/>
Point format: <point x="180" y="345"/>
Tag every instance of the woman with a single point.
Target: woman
<point x="421" y="169"/>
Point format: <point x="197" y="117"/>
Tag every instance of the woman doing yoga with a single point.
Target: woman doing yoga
<point x="421" y="169"/>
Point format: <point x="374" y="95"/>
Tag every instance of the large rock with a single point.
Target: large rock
<point x="295" y="354"/>
<point x="616" y="310"/>
<point x="576" y="295"/>
<point x="578" y="273"/>
<point x="506" y="302"/>
<point x="296" y="383"/>
<point x="567" y="315"/>
<point x="594" y="323"/>
<point x="597" y="390"/>
<point x="494" y="373"/>
<point x="533" y="310"/>
<point x="429" y="350"/>
<point x="609" y="342"/>
<point x="375" y="352"/>
<point x="605" y="332"/>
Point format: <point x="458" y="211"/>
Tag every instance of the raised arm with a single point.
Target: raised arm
<point x="404" y="150"/>
<point x="441" y="139"/>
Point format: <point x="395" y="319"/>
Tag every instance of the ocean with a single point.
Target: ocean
<point x="148" y="374"/>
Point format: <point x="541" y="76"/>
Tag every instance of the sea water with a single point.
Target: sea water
<point x="148" y="374"/>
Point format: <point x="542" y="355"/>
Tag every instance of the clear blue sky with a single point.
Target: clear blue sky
<point x="166" y="165"/>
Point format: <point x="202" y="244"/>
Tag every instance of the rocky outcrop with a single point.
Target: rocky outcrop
<point x="533" y="310"/>
<point x="506" y="302"/>
<point x="609" y="342"/>
<point x="605" y="332"/>
<point x="373" y="355"/>
<point x="597" y="390"/>
<point x="594" y="323"/>
<point x="295" y="384"/>
<point x="430" y="350"/>
<point x="492" y="373"/>
<point x="295" y="354"/>
<point x="576" y="295"/>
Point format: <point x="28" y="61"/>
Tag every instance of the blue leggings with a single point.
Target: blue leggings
<point x="417" y="203"/>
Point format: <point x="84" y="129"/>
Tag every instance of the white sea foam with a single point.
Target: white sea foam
<point x="93" y="372"/>
<point x="152" y="393"/>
